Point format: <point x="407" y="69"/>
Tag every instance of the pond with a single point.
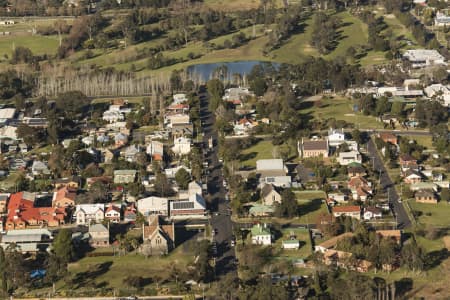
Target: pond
<point x="225" y="69"/>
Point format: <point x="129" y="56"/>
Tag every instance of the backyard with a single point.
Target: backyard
<point x="432" y="214"/>
<point x="311" y="205"/>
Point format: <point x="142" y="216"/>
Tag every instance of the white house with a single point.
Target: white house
<point x="112" y="213"/>
<point x="195" y="206"/>
<point x="179" y="98"/>
<point x="441" y="20"/>
<point x="423" y="58"/>
<point x="88" y="213"/>
<point x="261" y="235"/>
<point x="336" y="137"/>
<point x="346" y="158"/>
<point x="194" y="188"/>
<point x="278" y="181"/>
<point x="182" y="146"/>
<point x="372" y="213"/>
<point x="112" y="116"/>
<point x="155" y="148"/>
<point x="292" y="244"/>
<point x="153" y="206"/>
<point x="270" y="165"/>
<point x="439" y="92"/>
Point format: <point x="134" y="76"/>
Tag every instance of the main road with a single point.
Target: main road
<point x="218" y="206"/>
<point x="386" y="183"/>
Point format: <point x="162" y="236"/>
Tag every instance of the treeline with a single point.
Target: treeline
<point x="324" y="36"/>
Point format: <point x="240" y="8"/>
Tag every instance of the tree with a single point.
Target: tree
<point x="357" y="136"/>
<point x="288" y="206"/>
<point x="71" y="103"/>
<point x="216" y="91"/>
<point x="162" y="185"/>
<point x="3" y="272"/>
<point x="19" y="102"/>
<point x="183" y="178"/>
<point x="412" y="256"/>
<point x="63" y="247"/>
<point x="445" y="194"/>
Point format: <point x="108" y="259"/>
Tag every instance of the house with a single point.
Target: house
<point x="39" y="168"/>
<point x="72" y="183"/>
<point x="264" y="165"/>
<point x="112" y="213"/>
<point x="106" y="180"/>
<point x="179" y="98"/>
<point x="182" y="146"/>
<point x="426" y="196"/>
<point x="313" y="148"/>
<point x="64" y="197"/>
<point x="336" y="137"/>
<point x="442" y="20"/>
<point x="244" y="126"/>
<point x="291" y="244"/>
<point x="124" y="176"/>
<point x="178" y="130"/>
<point x="338" y="197"/>
<point x="130" y="213"/>
<point x="182" y="108"/>
<point x="424" y="186"/>
<point x="424" y="58"/>
<point x="89" y="213"/>
<point x="120" y="139"/>
<point x="112" y="116"/>
<point x="391" y="234"/>
<point x="352" y="211"/>
<point x="28" y="240"/>
<point x="194" y="188"/>
<point x="156" y="150"/>
<point x="345" y="158"/>
<point x="98" y="236"/>
<point x="388" y="138"/>
<point x="35" y="122"/>
<point x="278" y="181"/>
<point x="131" y="152"/>
<point x="177" y="119"/>
<point x="194" y="206"/>
<point x="8" y="132"/>
<point x="356" y="170"/>
<point x="331" y="243"/>
<point x="153" y="206"/>
<point x="269" y="195"/>
<point x="3" y="202"/>
<point x="439" y="92"/>
<point x="360" y="188"/>
<point x="23" y="214"/>
<point x="261" y="235"/>
<point x="412" y="176"/>
<point x="344" y="260"/>
<point x="372" y="213"/>
<point x="158" y="238"/>
<point x="108" y="155"/>
<point x="407" y="160"/>
<point x="23" y="148"/>
<point x="261" y="210"/>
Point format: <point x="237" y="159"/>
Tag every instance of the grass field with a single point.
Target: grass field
<point x="37" y="44"/>
<point x="341" y="109"/>
<point x="305" y="243"/>
<point x="425" y="141"/>
<point x="433" y="214"/>
<point x="262" y="150"/>
<point x="110" y="271"/>
<point x="311" y="205"/>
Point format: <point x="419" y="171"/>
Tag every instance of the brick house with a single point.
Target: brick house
<point x="426" y="196"/>
<point x="353" y="211"/>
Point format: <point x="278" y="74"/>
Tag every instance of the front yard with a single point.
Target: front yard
<point x="432" y="214"/>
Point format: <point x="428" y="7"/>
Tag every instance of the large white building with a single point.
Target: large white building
<point x="89" y="213"/>
<point x="182" y="146"/>
<point x="423" y="58"/>
<point x="153" y="206"/>
<point x="439" y="92"/>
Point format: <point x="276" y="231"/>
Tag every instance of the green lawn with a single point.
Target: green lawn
<point x="425" y="141"/>
<point x="305" y="243"/>
<point x="433" y="214"/>
<point x="37" y="44"/>
<point x="342" y="109"/>
<point x="311" y="205"/>
<point x="108" y="272"/>
<point x="261" y="150"/>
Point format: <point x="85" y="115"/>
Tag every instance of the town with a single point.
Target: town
<point x="215" y="150"/>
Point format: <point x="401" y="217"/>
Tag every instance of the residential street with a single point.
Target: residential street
<point x="403" y="220"/>
<point x="220" y="215"/>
